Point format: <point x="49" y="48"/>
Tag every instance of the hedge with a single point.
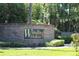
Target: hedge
<point x="11" y="44"/>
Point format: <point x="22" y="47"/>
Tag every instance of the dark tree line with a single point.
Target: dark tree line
<point x="12" y="13"/>
<point x="64" y="16"/>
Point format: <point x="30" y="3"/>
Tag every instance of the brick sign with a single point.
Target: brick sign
<point x="33" y="33"/>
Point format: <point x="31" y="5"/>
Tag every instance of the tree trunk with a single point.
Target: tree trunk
<point x="30" y="14"/>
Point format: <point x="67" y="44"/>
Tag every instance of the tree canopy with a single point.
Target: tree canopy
<point x="64" y="16"/>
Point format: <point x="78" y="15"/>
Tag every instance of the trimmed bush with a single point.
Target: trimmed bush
<point x="55" y="43"/>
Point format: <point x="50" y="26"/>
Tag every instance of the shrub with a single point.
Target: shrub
<point x="4" y="44"/>
<point x="75" y="38"/>
<point x="55" y="43"/>
<point x="67" y="39"/>
<point x="16" y="44"/>
<point x="11" y="44"/>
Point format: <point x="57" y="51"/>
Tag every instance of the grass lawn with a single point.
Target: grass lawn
<point x="35" y="52"/>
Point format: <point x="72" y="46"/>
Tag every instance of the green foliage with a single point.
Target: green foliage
<point x="63" y="16"/>
<point x="75" y="38"/>
<point x="13" y="13"/>
<point x="67" y="39"/>
<point x="40" y="12"/>
<point x="37" y="10"/>
<point x="55" y="43"/>
<point x="37" y="21"/>
<point x="11" y="44"/>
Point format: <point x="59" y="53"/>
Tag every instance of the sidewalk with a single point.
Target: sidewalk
<point x="39" y="48"/>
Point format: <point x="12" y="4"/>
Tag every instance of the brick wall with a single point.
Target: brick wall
<point x="15" y="32"/>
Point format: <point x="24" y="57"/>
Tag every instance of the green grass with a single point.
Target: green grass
<point x="35" y="52"/>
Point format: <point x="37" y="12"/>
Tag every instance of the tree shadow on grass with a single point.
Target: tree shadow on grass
<point x="1" y="52"/>
<point x="4" y="48"/>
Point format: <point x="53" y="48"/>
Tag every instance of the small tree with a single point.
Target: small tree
<point x="75" y="38"/>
